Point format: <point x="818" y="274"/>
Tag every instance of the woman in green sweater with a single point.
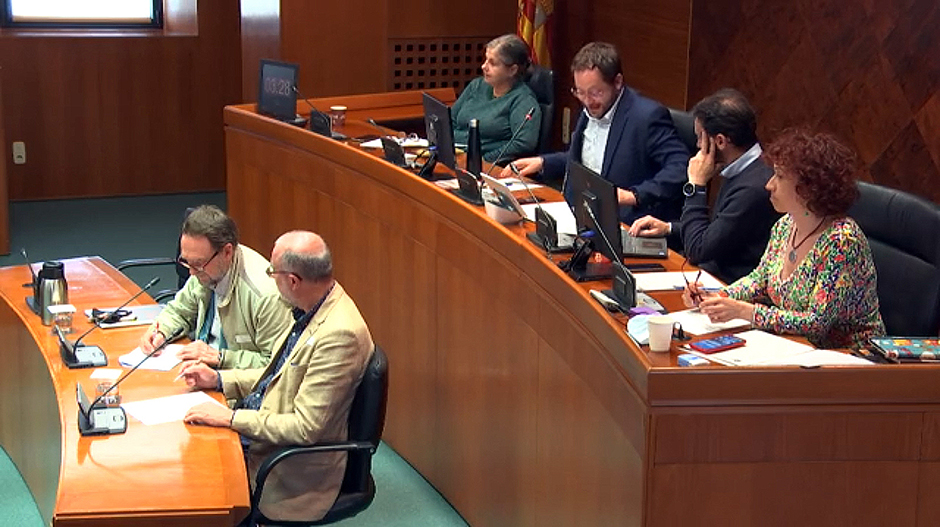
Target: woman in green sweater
<point x="500" y="100"/>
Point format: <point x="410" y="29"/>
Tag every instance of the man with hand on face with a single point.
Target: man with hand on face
<point x="729" y="242"/>
<point x="229" y="305"/>
<point x="626" y="138"/>
<point x="305" y="393"/>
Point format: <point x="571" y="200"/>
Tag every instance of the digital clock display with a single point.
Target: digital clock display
<point x="276" y="95"/>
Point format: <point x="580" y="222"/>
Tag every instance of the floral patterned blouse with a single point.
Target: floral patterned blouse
<point x="830" y="297"/>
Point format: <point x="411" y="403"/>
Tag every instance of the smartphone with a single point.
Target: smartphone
<point x="640" y="267"/>
<point x="716" y="344"/>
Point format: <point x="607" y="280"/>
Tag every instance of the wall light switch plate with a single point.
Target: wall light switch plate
<point x="19" y="153"/>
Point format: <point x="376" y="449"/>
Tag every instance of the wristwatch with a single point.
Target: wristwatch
<point x="690" y="189"/>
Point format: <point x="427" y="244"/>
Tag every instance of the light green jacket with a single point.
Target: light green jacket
<point x="253" y="315"/>
<point x="308" y="401"/>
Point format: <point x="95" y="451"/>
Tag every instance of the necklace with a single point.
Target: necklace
<point x="793" y="248"/>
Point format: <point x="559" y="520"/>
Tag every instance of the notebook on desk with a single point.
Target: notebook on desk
<point x="916" y="349"/>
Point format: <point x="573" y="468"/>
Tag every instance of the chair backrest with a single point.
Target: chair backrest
<point x="367" y="420"/>
<point x="542" y="83"/>
<point x="684" y="123"/>
<point x="904" y="233"/>
<point x="182" y="273"/>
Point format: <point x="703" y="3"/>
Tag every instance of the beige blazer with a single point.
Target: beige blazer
<point x="307" y="401"/>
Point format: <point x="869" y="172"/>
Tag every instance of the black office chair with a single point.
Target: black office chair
<point x="542" y="83"/>
<point x="366" y="423"/>
<point x="684" y="124"/>
<point x="902" y="230"/>
<point x="182" y="273"/>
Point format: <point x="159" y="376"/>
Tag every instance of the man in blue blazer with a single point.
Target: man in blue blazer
<point x="728" y="239"/>
<point x="626" y="138"/>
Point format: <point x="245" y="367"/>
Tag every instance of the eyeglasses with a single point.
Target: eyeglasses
<point x="271" y="272"/>
<point x="593" y="94"/>
<point x="198" y="268"/>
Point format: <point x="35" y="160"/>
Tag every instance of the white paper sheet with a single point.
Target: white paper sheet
<point x="166" y="409"/>
<point x="694" y="322"/>
<point x="166" y="361"/>
<point x="815" y="358"/>
<point x="559" y="210"/>
<point x="760" y="349"/>
<point x="672" y="280"/>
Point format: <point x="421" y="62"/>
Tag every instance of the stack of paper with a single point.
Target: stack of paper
<point x="765" y="349"/>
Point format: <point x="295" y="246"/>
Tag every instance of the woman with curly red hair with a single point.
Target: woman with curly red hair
<point x="816" y="277"/>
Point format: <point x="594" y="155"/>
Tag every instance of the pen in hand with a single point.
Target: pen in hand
<point x="184" y="368"/>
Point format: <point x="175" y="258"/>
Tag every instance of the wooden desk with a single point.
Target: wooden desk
<point x="524" y="403"/>
<point x="169" y="474"/>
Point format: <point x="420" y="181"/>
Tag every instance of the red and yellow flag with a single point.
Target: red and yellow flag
<point x="534" y="25"/>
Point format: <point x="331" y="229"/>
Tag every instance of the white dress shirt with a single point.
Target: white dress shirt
<point x="595" y="138"/>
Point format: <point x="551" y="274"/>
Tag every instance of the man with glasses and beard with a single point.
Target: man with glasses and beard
<point x="626" y="138"/>
<point x="229" y="305"/>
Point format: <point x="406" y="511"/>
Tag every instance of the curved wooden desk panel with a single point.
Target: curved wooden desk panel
<point x="524" y="403"/>
<point x="168" y="474"/>
<point x="30" y="427"/>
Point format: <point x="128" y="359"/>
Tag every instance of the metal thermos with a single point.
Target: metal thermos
<point x="474" y="150"/>
<point x="53" y="289"/>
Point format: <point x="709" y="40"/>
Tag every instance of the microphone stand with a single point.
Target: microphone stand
<point x="88" y="423"/>
<point x="623" y="289"/>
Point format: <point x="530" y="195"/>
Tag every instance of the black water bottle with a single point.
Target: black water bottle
<point x="474" y="150"/>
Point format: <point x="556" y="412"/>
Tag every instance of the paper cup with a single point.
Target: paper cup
<point x="660" y="329"/>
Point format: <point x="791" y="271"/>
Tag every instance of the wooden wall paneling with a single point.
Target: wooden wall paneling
<point x="430" y="18"/>
<point x="600" y="437"/>
<point x="487" y="388"/>
<point x="782" y="434"/>
<point x="340" y="46"/>
<point x="106" y="115"/>
<point x="7" y="157"/>
<point x="261" y="39"/>
<point x="784" y="494"/>
<point x="868" y="73"/>
<point x="652" y="37"/>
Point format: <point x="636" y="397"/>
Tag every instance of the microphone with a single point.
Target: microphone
<point x="166" y="342"/>
<point x="32" y="301"/>
<point x="106" y="317"/>
<point x="499" y="157"/>
<point x="319" y="122"/>
<point x="382" y="131"/>
<point x="623" y="289"/>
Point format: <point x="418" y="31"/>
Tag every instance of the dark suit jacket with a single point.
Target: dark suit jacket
<point x="643" y="154"/>
<point x="729" y="243"/>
